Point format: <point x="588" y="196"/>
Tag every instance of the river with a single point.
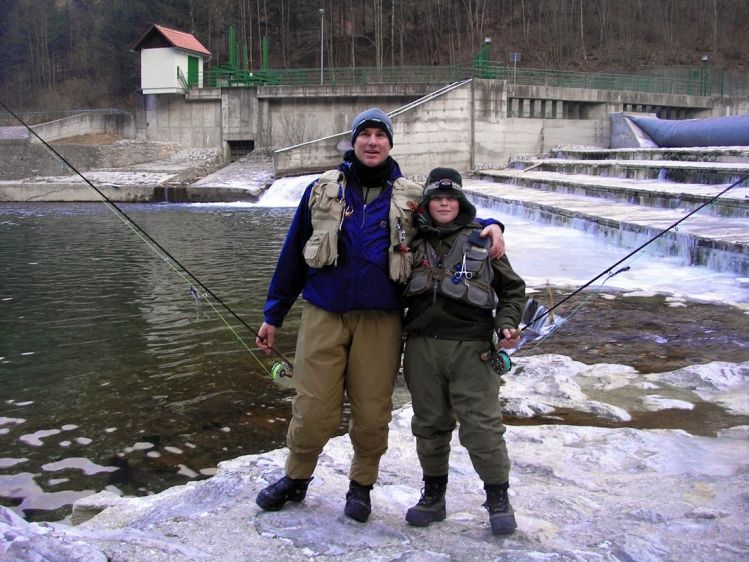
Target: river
<point x="114" y="376"/>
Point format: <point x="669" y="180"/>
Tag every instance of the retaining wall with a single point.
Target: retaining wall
<point x="23" y="159"/>
<point x="115" y="122"/>
<point x="462" y="129"/>
<point x="193" y="123"/>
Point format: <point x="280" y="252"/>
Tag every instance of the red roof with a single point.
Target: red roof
<point x="177" y="39"/>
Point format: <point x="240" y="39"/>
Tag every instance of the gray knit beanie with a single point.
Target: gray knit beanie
<point x="372" y="117"/>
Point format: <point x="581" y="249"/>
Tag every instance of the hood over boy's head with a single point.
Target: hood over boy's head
<point x="447" y="182"/>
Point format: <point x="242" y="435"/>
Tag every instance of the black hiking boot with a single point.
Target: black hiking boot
<point x="358" y="505"/>
<point x="501" y="514"/>
<point x="273" y="497"/>
<point x="431" y="506"/>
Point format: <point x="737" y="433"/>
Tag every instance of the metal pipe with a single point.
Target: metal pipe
<point x="322" y="42"/>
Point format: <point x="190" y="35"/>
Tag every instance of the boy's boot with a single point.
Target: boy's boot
<point x="273" y="497"/>
<point x="358" y="505"/>
<point x="501" y="514"/>
<point x="431" y="506"/>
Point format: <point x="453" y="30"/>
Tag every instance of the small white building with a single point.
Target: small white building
<point x="171" y="61"/>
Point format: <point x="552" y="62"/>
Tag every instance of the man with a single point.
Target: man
<point x="347" y="252"/>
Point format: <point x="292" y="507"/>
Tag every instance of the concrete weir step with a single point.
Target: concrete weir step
<point x="645" y="192"/>
<point x="724" y="154"/>
<point x="704" y="173"/>
<point x="721" y="243"/>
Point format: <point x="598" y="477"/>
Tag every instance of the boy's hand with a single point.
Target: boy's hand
<point x="510" y="338"/>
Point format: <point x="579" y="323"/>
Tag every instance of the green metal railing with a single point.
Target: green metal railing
<point x="338" y="76"/>
<point x="182" y="80"/>
<point x="700" y="82"/>
<point x="696" y="81"/>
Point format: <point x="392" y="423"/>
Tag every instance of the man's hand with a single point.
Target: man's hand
<point x="498" y="240"/>
<point x="266" y="336"/>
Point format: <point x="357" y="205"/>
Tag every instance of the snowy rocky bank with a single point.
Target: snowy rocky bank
<point x="580" y="493"/>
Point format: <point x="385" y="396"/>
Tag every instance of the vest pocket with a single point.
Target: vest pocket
<point x="475" y="258"/>
<point x="420" y="282"/>
<point x="318" y="251"/>
<point x="478" y="294"/>
<point x="452" y="289"/>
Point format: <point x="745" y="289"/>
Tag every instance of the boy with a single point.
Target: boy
<point x="457" y="297"/>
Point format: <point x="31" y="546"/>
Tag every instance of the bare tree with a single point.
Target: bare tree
<point x="582" y="31"/>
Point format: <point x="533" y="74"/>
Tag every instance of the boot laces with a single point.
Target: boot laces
<point x="496" y="502"/>
<point x="287" y="486"/>
<point x="358" y="492"/>
<point x="430" y="494"/>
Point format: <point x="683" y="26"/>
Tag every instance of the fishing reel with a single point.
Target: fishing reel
<point x="279" y="370"/>
<point x="498" y="359"/>
<point x="500" y="362"/>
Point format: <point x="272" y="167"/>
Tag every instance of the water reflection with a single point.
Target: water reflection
<point x="103" y="347"/>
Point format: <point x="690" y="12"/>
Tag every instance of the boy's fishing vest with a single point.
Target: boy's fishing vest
<point x="464" y="274"/>
<point x="327" y="204"/>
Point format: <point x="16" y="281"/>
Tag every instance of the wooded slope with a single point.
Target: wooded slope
<point x="59" y="54"/>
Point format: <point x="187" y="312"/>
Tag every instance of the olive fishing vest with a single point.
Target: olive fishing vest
<point x="327" y="204"/>
<point x="464" y="274"/>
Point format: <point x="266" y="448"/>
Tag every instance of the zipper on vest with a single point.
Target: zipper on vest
<point x="435" y="264"/>
<point x="436" y="282"/>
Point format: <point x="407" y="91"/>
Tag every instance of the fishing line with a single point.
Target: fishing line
<point x="638" y="249"/>
<point x="190" y="278"/>
<point x="538" y="341"/>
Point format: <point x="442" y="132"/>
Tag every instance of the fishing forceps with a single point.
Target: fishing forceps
<point x="461" y="271"/>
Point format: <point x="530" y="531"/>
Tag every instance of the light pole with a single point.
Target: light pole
<point x="515" y="58"/>
<point x="705" y="61"/>
<point x="322" y="42"/>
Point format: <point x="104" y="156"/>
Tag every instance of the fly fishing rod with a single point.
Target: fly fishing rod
<point x="500" y="360"/>
<point x="182" y="270"/>
<point x="609" y="269"/>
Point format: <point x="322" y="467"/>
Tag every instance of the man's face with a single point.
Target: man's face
<point x="372" y="146"/>
<point x="443" y="210"/>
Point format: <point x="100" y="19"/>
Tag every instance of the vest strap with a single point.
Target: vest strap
<point x="402" y="228"/>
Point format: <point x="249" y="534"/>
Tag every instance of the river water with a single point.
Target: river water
<point x="114" y="376"/>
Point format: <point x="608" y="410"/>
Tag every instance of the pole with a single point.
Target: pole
<point x="705" y="89"/>
<point x="515" y="57"/>
<point x="322" y="42"/>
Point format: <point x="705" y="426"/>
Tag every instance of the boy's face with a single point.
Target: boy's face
<point x="443" y="210"/>
<point x="372" y="146"/>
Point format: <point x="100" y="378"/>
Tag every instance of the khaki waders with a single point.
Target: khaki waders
<point x="357" y="352"/>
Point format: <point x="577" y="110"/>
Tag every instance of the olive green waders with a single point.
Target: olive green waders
<point x="357" y="352"/>
<point x="448" y="380"/>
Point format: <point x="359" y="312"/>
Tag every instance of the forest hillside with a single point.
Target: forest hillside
<point x="64" y="54"/>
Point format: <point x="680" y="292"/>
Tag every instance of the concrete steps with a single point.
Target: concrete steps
<point x="652" y="193"/>
<point x="623" y="200"/>
<point x="705" y="173"/>
<point x="688" y="154"/>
